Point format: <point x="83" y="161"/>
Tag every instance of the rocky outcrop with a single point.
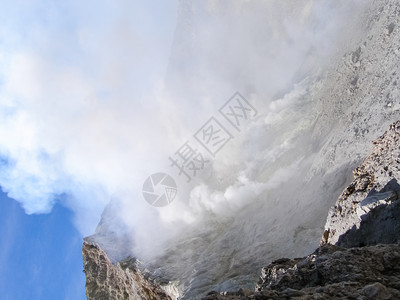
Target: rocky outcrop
<point x="336" y="272"/>
<point x="359" y="256"/>
<point x="106" y="281"/>
<point x="330" y="273"/>
<point x="368" y="211"/>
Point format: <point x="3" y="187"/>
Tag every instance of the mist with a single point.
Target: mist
<point x="96" y="97"/>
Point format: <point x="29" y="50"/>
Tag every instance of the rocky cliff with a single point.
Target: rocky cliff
<point x="359" y="256"/>
<point x="303" y="157"/>
<point x="330" y="272"/>
<point x="368" y="211"/>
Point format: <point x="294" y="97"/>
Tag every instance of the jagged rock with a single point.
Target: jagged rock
<point x="367" y="212"/>
<point x="106" y="281"/>
<point x="330" y="272"/>
<point x="357" y="267"/>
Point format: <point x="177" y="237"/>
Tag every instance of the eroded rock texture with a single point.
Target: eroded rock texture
<point x="330" y="273"/>
<point x="368" y="211"/>
<point x="354" y="273"/>
<point x="106" y="281"/>
<point x="344" y="267"/>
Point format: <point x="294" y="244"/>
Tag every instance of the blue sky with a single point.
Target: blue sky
<point x="40" y="255"/>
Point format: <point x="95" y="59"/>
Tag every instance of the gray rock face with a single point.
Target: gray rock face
<point x="106" y="281"/>
<point x="330" y="273"/>
<point x="360" y="270"/>
<point x="368" y="211"/>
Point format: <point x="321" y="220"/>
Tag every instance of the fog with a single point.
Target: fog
<point x="96" y="97"/>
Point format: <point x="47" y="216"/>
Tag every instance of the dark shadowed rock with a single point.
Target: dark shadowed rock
<point x="368" y="211"/>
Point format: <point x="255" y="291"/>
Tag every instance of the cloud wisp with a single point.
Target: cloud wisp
<point x="95" y="97"/>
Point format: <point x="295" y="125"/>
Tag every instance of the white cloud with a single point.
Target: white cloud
<point x="88" y="109"/>
<point x="71" y="97"/>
